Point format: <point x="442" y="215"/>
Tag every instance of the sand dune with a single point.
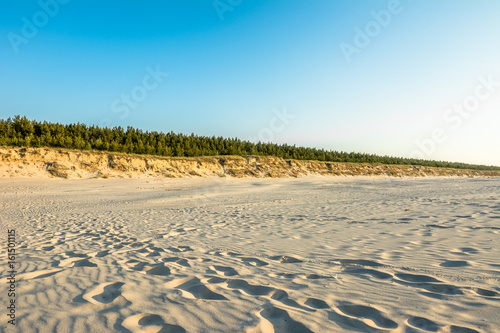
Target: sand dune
<point x="313" y="254"/>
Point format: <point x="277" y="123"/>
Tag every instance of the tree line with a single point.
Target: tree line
<point x="21" y="132"/>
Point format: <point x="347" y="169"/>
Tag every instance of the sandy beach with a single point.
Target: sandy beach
<point x="309" y="254"/>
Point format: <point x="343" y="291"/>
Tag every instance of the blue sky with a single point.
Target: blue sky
<point x="402" y="78"/>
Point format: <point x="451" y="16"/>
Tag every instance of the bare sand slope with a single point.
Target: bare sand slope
<point x="71" y="164"/>
<point x="314" y="254"/>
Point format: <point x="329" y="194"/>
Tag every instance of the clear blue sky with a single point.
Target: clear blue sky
<point x="366" y="76"/>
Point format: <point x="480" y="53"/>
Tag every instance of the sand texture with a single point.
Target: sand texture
<point x="312" y="254"/>
<point x="59" y="163"/>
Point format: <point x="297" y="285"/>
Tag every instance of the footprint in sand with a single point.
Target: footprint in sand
<point x="224" y="271"/>
<point x="158" y="269"/>
<point x="464" y="251"/>
<point x="457" y="329"/>
<point x="148" y="253"/>
<point x="76" y="262"/>
<point x="349" y="323"/>
<point x="186" y="248"/>
<point x="434" y="288"/>
<point x="484" y="292"/>
<point x="214" y="279"/>
<point x="423" y="324"/>
<point x="173" y="249"/>
<point x="286" y="259"/>
<point x="454" y="263"/>
<point x="446" y="289"/>
<point x="369" y="315"/>
<point x="100" y="254"/>
<point x="254" y="261"/>
<point x="104" y="293"/>
<point x="279" y="321"/>
<point x="73" y="259"/>
<point x="316" y="303"/>
<point x="146" y="322"/>
<point x="248" y="288"/>
<point x="314" y="276"/>
<point x="282" y="297"/>
<point x="145" y="268"/>
<point x="416" y="278"/>
<point x="72" y="254"/>
<point x="367" y="271"/>
<point x="133" y="264"/>
<point x="193" y="288"/>
<point x="183" y="262"/>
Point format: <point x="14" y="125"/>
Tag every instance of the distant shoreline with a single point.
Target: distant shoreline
<point x="77" y="164"/>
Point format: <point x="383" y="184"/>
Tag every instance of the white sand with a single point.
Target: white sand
<point x="321" y="254"/>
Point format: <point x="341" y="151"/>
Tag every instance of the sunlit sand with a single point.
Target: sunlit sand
<point x="320" y="254"/>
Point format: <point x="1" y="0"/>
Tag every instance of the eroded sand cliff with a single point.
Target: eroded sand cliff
<point x="49" y="162"/>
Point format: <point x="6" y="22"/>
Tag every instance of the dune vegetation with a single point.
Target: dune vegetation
<point x="22" y="132"/>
